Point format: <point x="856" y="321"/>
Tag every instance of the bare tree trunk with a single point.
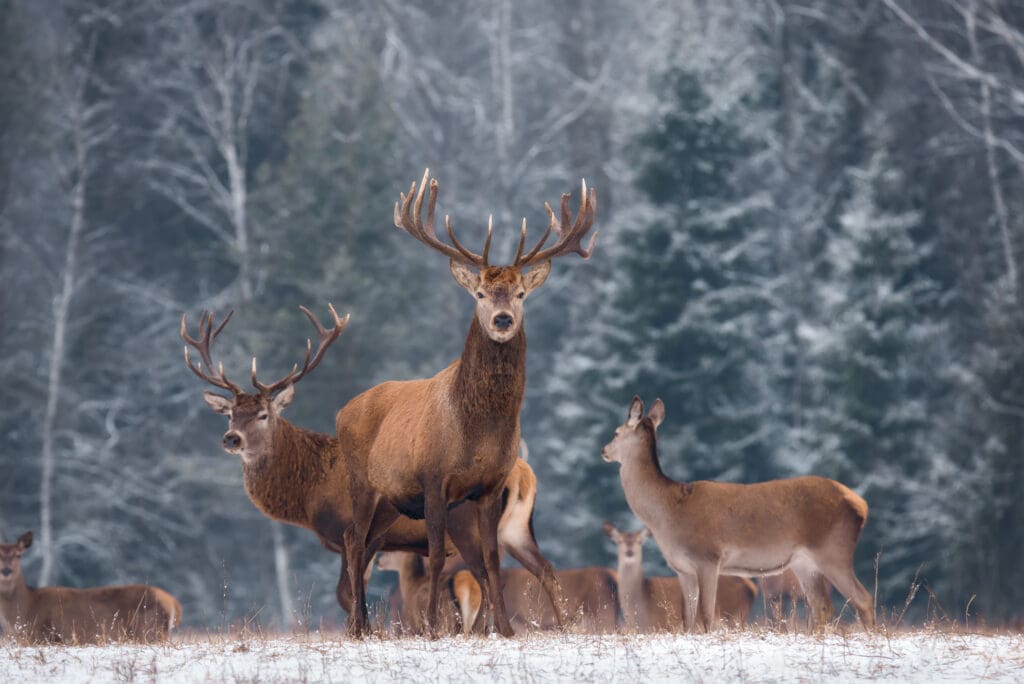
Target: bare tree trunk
<point x="991" y="163"/>
<point x="281" y="571"/>
<point x="58" y="350"/>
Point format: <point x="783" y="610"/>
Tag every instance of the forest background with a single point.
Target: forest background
<point x="810" y="247"/>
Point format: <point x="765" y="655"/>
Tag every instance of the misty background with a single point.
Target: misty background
<point x="810" y="248"/>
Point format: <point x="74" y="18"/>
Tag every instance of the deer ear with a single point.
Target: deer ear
<point x="464" y="275"/>
<point x="536" y="276"/>
<point x="636" y="411"/>
<point x="283" y="398"/>
<point x="219" y="404"/>
<point x="657" y="412"/>
<point x="645" y="534"/>
<point x="610" y="530"/>
<point x="25" y="540"/>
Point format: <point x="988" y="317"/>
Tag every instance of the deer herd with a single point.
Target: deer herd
<point x="427" y="476"/>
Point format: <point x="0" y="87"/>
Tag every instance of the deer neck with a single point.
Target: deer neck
<point x="644" y="483"/>
<point x="631" y="591"/>
<point x="300" y="459"/>
<point x="15" y="605"/>
<point x="411" y="576"/>
<point x="491" y="378"/>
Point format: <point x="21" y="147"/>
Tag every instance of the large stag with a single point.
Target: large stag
<point x="298" y="476"/>
<point x="423" y="446"/>
<point x="704" y="529"/>
<point x="134" y="612"/>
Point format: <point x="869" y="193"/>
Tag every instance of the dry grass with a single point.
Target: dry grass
<point x="941" y="650"/>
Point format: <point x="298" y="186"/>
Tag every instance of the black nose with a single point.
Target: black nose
<point x="6" y="571"/>
<point x="232" y="440"/>
<point x="502" y="321"/>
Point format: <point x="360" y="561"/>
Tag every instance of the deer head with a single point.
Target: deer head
<point x="499" y="290"/>
<point x="637" y="434"/>
<point x="630" y="543"/>
<point x="253" y="416"/>
<point x="10" y="563"/>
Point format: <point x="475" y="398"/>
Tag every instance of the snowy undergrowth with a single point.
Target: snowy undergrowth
<point x="923" y="656"/>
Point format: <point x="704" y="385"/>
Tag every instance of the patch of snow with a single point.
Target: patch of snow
<point x="751" y="655"/>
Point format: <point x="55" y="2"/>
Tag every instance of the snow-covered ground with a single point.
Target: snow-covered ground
<point x="922" y="656"/>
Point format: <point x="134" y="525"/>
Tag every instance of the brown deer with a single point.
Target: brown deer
<point x="423" y="446"/>
<point x="297" y="476"/>
<point x="705" y="529"/>
<point x="134" y="612"/>
<point x="458" y="613"/>
<point x="590" y="600"/>
<point x="656" y="603"/>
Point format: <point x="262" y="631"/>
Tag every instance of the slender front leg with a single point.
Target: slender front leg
<point x="707" y="583"/>
<point x="488" y="514"/>
<point x="462" y="528"/>
<point x="691" y="593"/>
<point x="435" y="510"/>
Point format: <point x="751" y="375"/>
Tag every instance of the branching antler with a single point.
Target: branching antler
<point x="409" y="210"/>
<point x="325" y="338"/>
<point x="207" y="335"/>
<point x="413" y="204"/>
<point x="569" y="240"/>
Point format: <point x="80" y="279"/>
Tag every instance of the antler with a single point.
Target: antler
<point x="426" y="234"/>
<point x="568" y="239"/>
<point x="325" y="338"/>
<point x="206" y="337"/>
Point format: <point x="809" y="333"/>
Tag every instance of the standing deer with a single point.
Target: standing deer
<point x="705" y="529"/>
<point x="423" y="446"/>
<point x="298" y="476"/>
<point x="656" y="603"/>
<point x="134" y="612"/>
<point x="457" y="613"/>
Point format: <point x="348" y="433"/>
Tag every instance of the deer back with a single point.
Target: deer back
<point x="117" y="613"/>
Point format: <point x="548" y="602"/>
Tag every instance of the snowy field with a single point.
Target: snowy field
<point x="921" y="656"/>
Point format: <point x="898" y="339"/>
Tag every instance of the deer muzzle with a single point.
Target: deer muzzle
<point x="503" y="321"/>
<point x="232" y="442"/>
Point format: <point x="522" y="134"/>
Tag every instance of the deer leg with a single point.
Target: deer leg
<point x="462" y="528"/>
<point x="528" y="554"/>
<point x="488" y="514"/>
<point x="358" y="619"/>
<point x="344" y="589"/>
<point x="707" y="586"/>
<point x="689" y="585"/>
<point x="435" y="511"/>
<point x="819" y="603"/>
<point x="844" y="579"/>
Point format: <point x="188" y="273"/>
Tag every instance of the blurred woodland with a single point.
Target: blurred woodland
<point x="811" y="239"/>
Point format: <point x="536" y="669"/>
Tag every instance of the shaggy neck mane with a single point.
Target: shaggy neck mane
<point x="299" y="460"/>
<point x="491" y="379"/>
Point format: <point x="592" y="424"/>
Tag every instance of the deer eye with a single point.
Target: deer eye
<point x="521" y="294"/>
<point x="479" y="295"/>
<point x="263" y="416"/>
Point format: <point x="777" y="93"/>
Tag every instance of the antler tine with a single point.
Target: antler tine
<point x="522" y="243"/>
<point x="207" y="335"/>
<point x="468" y="256"/>
<point x="412" y="224"/>
<point x="325" y="337"/>
<point x="569" y="236"/>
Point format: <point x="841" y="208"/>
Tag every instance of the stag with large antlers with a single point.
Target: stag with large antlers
<point x="298" y="476"/>
<point x="426" y="445"/>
